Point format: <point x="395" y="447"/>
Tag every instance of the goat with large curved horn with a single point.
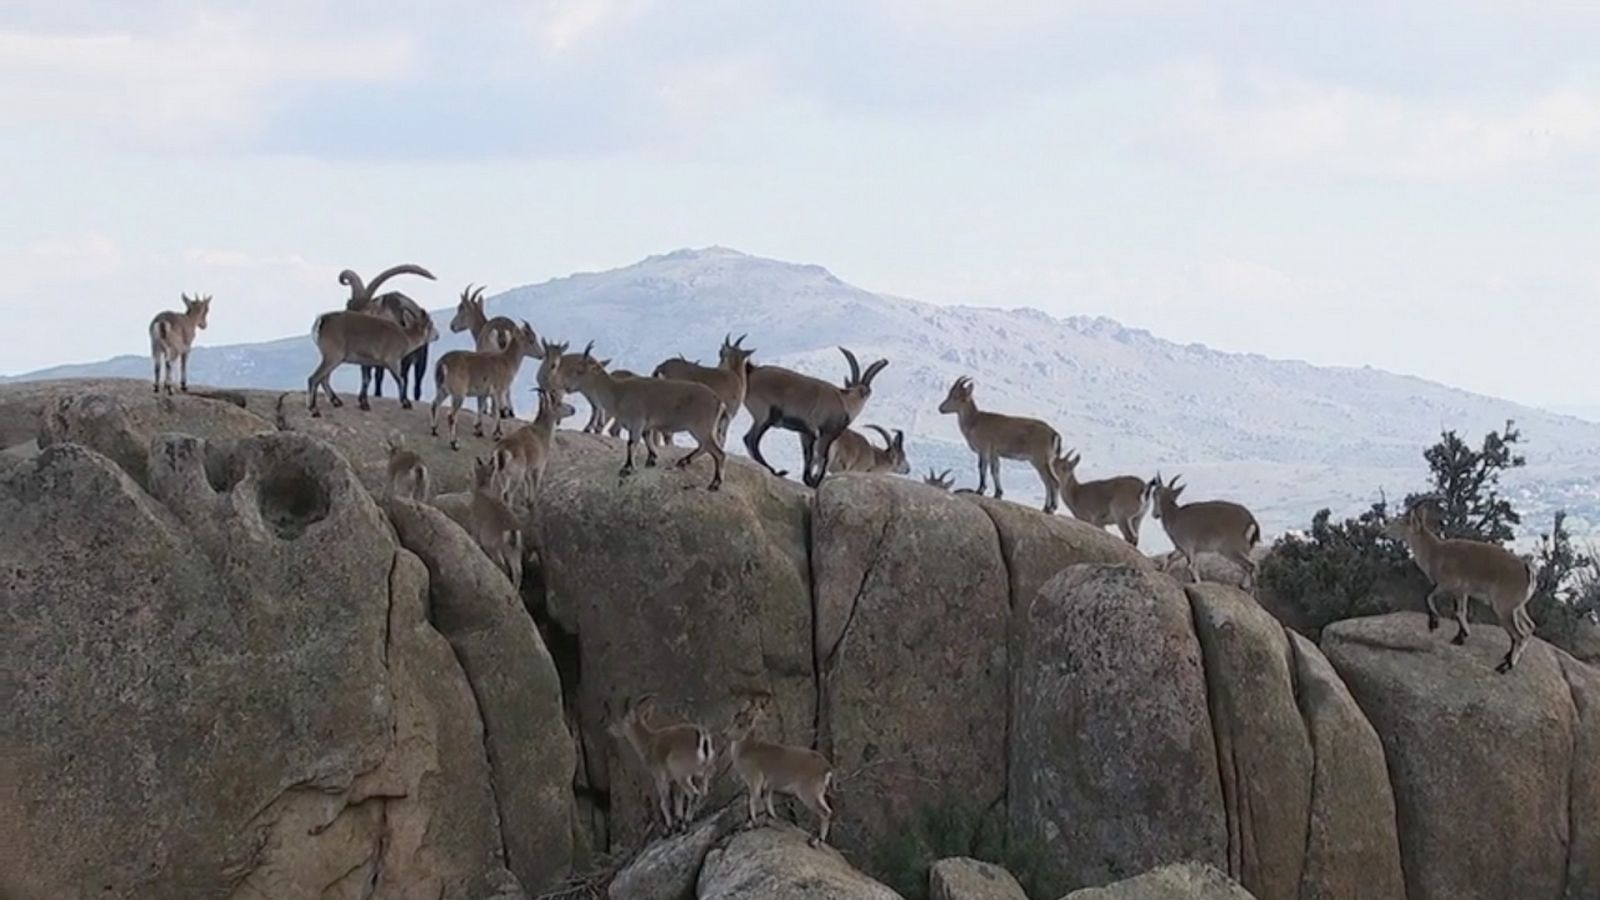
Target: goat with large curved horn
<point x="362" y="294"/>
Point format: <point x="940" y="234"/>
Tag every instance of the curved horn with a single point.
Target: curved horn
<point x="588" y="350"/>
<point x="358" y="291"/>
<point x="899" y="438"/>
<point x="873" y="370"/>
<point x="727" y="340"/>
<point x="402" y="269"/>
<point x="739" y="344"/>
<point x="888" y="439"/>
<point x="466" y="293"/>
<point x="855" y="367"/>
<point x="945" y="475"/>
<point x="478" y="294"/>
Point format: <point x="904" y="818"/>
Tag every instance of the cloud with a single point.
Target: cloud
<point x="1276" y="119"/>
<point x="563" y="25"/>
<point x="215" y="78"/>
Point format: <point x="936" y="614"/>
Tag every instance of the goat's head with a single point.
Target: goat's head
<point x="1165" y="492"/>
<point x="1422" y="516"/>
<point x="1067" y="466"/>
<point x="894" y="449"/>
<point x="552" y="403"/>
<point x="469" y="309"/>
<point x="959" y="396"/>
<point x="197" y="306"/>
<point x="858" y="387"/>
<point x="733" y="356"/>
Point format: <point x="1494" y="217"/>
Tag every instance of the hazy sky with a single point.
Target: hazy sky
<point x="1410" y="185"/>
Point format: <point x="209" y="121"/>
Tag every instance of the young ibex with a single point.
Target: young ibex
<point x="644" y="405"/>
<point x="815" y="409"/>
<point x="679" y="759"/>
<point x="1121" y="501"/>
<point x="852" y="452"/>
<point x="766" y="767"/>
<point x="728" y="379"/>
<point x="994" y="436"/>
<point x="1215" y="526"/>
<point x="494" y="527"/>
<point x="520" y="457"/>
<point x="1464" y="569"/>
<point x="408" y="475"/>
<point x="484" y="374"/>
<point x="396" y="307"/>
<point x="488" y="335"/>
<point x="367" y="340"/>
<point x="941" y="480"/>
<point x="172" y="337"/>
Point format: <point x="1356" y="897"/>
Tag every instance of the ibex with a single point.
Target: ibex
<point x="941" y="480"/>
<point x="994" y="436"/>
<point x="815" y="409"/>
<point x="494" y="527"/>
<point x="1464" y="569"/>
<point x="396" y="307"/>
<point x="1121" y="501"/>
<point x="367" y="340"/>
<point x="486" y="375"/>
<point x="728" y="379"/>
<point x="520" y="457"/>
<point x="643" y="405"/>
<point x="1215" y="526"/>
<point x="679" y="759"/>
<point x="766" y="767"/>
<point x="852" y="452"/>
<point x="172" y="337"/>
<point x="408" y="475"/>
<point x="488" y="335"/>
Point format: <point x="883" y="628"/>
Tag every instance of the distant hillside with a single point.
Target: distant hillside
<point x="1285" y="437"/>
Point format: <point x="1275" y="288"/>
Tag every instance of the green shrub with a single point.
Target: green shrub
<point x="951" y="827"/>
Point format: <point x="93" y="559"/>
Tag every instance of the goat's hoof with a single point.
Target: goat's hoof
<point x="1433" y="624"/>
<point x="1459" y="639"/>
<point x="624" y="473"/>
<point x="434" y="431"/>
<point x="405" y="404"/>
<point x="316" y="414"/>
<point x="455" y="445"/>
<point x="714" y="486"/>
<point x="155" y="389"/>
<point x="335" y="402"/>
<point x="813" y="842"/>
<point x="1504" y="667"/>
<point x="184" y="388"/>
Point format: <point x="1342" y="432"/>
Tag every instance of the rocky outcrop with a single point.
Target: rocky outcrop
<point x="1112" y="761"/>
<point x="669" y="868"/>
<point x="1038" y="547"/>
<point x="514" y="681"/>
<point x="702" y="598"/>
<point x="1481" y="764"/>
<point x="776" y="863"/>
<point x="1181" y="881"/>
<point x="960" y="878"/>
<point x="122" y="427"/>
<point x="911" y="613"/>
<point x="218" y="656"/>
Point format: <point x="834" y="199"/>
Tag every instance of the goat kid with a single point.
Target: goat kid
<point x="486" y="375"/>
<point x="408" y="474"/>
<point x="1214" y="526"/>
<point x="1121" y="501"/>
<point x="678" y="758"/>
<point x="494" y="527"/>
<point x="994" y="436"/>
<point x="520" y="457"/>
<point x="766" y="767"/>
<point x="172" y="337"/>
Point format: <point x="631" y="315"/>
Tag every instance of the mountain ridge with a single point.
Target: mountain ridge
<point x="1284" y="435"/>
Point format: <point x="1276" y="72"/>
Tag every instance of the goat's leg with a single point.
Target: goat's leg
<point x="824" y="447"/>
<point x="649" y="451"/>
<point x="433" y="413"/>
<point x="1463" y="600"/>
<point x="1048" y="478"/>
<point x="419" y="369"/>
<point x="633" y="438"/>
<point x="319" y="379"/>
<point x="455" y="410"/>
<point x="1433" y="608"/>
<point x="808" y="450"/>
<point x="477" y="427"/>
<point x="361" y="398"/>
<point x="169" y="373"/>
<point x="1128" y="533"/>
<point x="183" y="371"/>
<point x="719" y="457"/>
<point x="377" y="376"/>
<point x="399" y="373"/>
<point x="752" y="440"/>
<point x="155" y="364"/>
<point x="994" y="471"/>
<point x="983" y="474"/>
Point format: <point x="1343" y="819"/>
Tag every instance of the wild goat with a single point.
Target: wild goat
<point x="488" y="335"/>
<point x="643" y="405"/>
<point x="994" y="437"/>
<point x="494" y="527"/>
<point x="520" y="457"/>
<point x="766" y="767"/>
<point x="941" y="480"/>
<point x="1121" y="501"/>
<point x="852" y="452"/>
<point x="815" y="409"/>
<point x="172" y="337"/>
<point x="396" y="307"/>
<point x="678" y="758"/>
<point x="728" y="379"/>
<point x="1215" y="526"/>
<point x="408" y="475"/>
<point x="486" y="375"/>
<point x="1464" y="569"/>
<point x="367" y="340"/>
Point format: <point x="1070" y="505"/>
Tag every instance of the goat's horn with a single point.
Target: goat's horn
<point x="402" y="269"/>
<point x="888" y="439"/>
<point x="855" y="367"/>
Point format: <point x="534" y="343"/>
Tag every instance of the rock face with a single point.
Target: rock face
<point x="1481" y="764"/>
<point x="1183" y="881"/>
<point x="1037" y="547"/>
<point x="913" y="694"/>
<point x="1263" y="754"/>
<point x="775" y="863"/>
<point x="960" y="878"/>
<point x="670" y="868"/>
<point x="240" y="613"/>
<point x="702" y="598"/>
<point x="122" y="427"/>
<point x="514" y="680"/>
<point x="1112" y="761"/>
